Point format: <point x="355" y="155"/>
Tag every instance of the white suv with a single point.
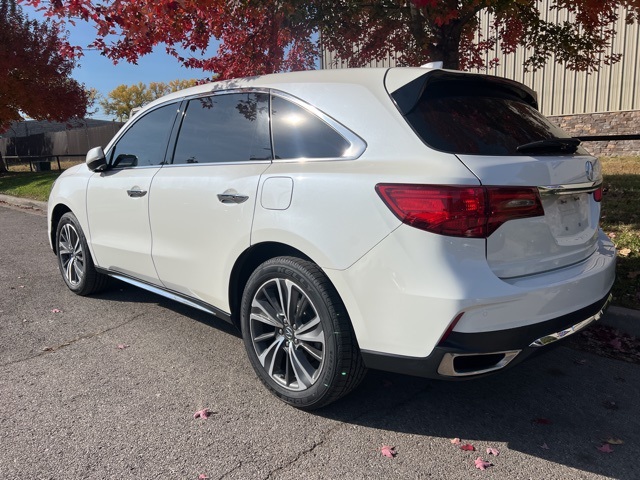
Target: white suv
<point x="415" y="220"/>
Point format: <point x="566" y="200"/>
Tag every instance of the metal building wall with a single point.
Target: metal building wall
<point x="564" y="92"/>
<point x="561" y="91"/>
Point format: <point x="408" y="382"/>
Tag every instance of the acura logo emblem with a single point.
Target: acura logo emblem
<point x="588" y="167"/>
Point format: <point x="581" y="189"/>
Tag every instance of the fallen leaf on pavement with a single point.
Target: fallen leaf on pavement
<point x="492" y="451"/>
<point x="544" y="446"/>
<point x="388" y="451"/>
<point x="455" y="441"/>
<point x="614" y="441"/>
<point x="481" y="464"/>
<point x="204" y="413"/>
<point x="616" y="343"/>
<point x="605" y="448"/>
<point x="542" y="421"/>
<point x="624" y="252"/>
<point x="468" y="448"/>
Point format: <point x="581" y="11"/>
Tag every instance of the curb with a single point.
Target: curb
<point x="23" y="202"/>
<point x="624" y="319"/>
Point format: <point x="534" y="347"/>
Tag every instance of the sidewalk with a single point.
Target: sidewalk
<point x="624" y="319"/>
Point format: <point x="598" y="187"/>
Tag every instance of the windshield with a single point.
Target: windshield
<point x="466" y="116"/>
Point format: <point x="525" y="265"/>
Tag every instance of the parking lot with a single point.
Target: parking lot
<point x="107" y="386"/>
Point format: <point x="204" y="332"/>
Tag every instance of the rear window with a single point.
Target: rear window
<point x="464" y="116"/>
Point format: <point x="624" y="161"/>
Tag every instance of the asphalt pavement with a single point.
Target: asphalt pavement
<point x="106" y="387"/>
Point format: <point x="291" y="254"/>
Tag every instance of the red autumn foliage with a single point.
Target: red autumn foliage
<point x="266" y="36"/>
<point x="35" y="75"/>
<point x="256" y="37"/>
<point x="428" y="30"/>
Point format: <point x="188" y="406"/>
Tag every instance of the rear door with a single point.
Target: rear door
<point x="493" y="126"/>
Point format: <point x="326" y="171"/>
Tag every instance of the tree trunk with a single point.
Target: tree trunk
<point x="448" y="45"/>
<point x="435" y="43"/>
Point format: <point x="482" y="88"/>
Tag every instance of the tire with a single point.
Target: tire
<point x="74" y="258"/>
<point x="306" y="353"/>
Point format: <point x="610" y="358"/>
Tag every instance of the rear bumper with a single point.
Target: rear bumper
<point x="469" y="355"/>
<point x="413" y="288"/>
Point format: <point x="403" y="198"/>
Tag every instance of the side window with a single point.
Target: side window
<point x="225" y="128"/>
<point x="145" y="143"/>
<point x="297" y="133"/>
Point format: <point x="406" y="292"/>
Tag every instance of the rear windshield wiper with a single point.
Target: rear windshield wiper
<point x="551" y="145"/>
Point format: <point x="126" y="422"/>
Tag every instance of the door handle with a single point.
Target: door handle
<point x="231" y="196"/>
<point x="136" y="192"/>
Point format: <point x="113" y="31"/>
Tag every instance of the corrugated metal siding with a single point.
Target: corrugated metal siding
<point x="562" y="91"/>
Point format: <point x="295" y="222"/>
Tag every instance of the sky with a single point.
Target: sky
<point x="96" y="71"/>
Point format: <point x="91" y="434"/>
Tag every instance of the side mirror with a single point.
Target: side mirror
<point x="96" y="161"/>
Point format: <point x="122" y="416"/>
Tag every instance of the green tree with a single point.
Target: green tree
<point x="124" y="98"/>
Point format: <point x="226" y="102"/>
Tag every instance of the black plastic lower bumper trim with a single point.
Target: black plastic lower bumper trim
<point x="483" y="342"/>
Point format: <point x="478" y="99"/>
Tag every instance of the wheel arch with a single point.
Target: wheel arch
<point x="247" y="262"/>
<point x="56" y="214"/>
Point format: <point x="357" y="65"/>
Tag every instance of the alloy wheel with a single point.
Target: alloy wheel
<point x="71" y="254"/>
<point x="287" y="334"/>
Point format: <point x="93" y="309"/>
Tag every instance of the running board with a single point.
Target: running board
<point x="171" y="295"/>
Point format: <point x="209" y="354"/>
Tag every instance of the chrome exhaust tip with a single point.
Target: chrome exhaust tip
<point x="467" y="364"/>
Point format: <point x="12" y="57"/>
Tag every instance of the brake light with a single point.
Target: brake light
<point x="459" y="211"/>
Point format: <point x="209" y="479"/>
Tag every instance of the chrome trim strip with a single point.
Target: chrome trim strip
<point x="570" y="188"/>
<point x="554" y="337"/>
<point x="172" y="296"/>
<point x="211" y="164"/>
<point x="447" y="369"/>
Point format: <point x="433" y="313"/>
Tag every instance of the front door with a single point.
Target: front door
<point x="118" y="199"/>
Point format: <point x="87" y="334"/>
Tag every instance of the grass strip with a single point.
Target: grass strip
<point x="35" y="186"/>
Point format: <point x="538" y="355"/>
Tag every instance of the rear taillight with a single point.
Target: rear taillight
<point x="459" y="211"/>
<point x="597" y="194"/>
